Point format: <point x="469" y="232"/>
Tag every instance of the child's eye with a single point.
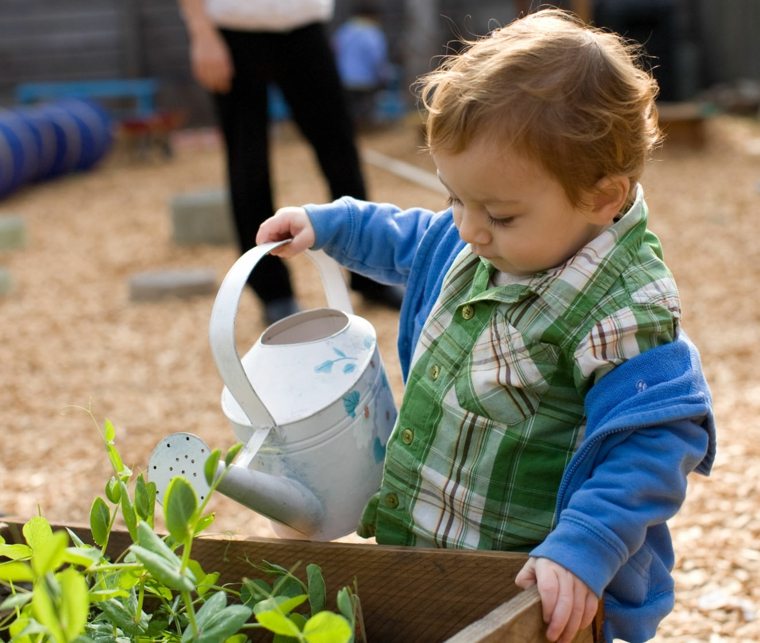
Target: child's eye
<point x="452" y="200"/>
<point x="501" y="221"/>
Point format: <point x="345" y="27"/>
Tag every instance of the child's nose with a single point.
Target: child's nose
<point x="472" y="231"/>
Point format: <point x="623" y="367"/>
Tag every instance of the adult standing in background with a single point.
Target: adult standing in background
<point x="238" y="48"/>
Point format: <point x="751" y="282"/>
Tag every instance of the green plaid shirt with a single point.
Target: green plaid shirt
<point x="494" y="405"/>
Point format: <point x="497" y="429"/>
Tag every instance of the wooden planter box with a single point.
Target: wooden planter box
<point x="407" y="594"/>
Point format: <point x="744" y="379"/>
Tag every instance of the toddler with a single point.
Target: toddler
<point x="552" y="404"/>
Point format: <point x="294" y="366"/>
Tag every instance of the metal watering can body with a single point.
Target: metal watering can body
<point x="311" y="402"/>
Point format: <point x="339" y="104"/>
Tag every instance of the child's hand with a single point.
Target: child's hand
<point x="288" y="223"/>
<point x="569" y="605"/>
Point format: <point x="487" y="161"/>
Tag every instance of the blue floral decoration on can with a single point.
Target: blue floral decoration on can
<point x="327" y="365"/>
<point x="350" y="402"/>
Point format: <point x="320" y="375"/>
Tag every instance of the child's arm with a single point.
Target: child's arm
<point x="649" y="424"/>
<point x="568" y="603"/>
<point x="378" y="240"/>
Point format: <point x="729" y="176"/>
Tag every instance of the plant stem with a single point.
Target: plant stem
<point x="188" y="600"/>
<point x="140" y="600"/>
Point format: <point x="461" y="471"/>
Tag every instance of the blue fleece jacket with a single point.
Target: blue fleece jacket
<point x="649" y="421"/>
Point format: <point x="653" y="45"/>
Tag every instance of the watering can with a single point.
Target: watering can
<point x="311" y="403"/>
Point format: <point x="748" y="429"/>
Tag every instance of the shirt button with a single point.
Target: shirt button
<point x="468" y="312"/>
<point x="391" y="500"/>
<point x="407" y="436"/>
<point x="435" y="371"/>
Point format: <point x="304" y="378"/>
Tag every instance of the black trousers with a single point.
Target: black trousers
<point x="302" y="65"/>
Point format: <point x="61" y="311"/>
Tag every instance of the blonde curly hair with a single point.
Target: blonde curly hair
<point x="570" y="96"/>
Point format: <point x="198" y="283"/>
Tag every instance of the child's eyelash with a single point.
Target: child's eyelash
<point x="492" y="221"/>
<point x="505" y="221"/>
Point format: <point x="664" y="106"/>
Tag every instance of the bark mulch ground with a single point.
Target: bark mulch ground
<point x="71" y="339"/>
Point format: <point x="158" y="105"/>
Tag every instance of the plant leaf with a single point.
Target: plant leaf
<point x="163" y="570"/>
<point x="16" y="571"/>
<point x="119" y="615"/>
<point x="36" y="531"/>
<point x="346" y="604"/>
<point x="116" y="462"/>
<point x="210" y="467"/>
<point x="149" y="539"/>
<point x="162" y="563"/>
<point x="203" y="523"/>
<point x="100" y="519"/>
<point x="275" y="621"/>
<point x="44" y="609"/>
<point x="232" y="453"/>
<point x="74" y="602"/>
<point x="15" y="601"/>
<point x="283" y="604"/>
<point x="180" y="508"/>
<point x="221" y="625"/>
<point x="83" y="556"/>
<point x="236" y="638"/>
<point x="109" y="431"/>
<point x="128" y="511"/>
<point x="47" y="556"/>
<point x="327" y="627"/>
<point x="15" y="552"/>
<point x="213" y="604"/>
<point x="204" y="581"/>
<point x="145" y="499"/>
<point x="317" y="590"/>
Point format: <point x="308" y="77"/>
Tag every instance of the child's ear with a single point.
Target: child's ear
<point x="608" y="197"/>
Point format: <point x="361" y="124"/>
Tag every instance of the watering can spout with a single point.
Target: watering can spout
<point x="282" y="499"/>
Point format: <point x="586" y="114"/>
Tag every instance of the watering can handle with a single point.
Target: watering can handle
<point x="222" y="324"/>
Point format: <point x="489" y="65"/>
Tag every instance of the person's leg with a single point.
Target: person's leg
<point x="307" y="74"/>
<point x="243" y="120"/>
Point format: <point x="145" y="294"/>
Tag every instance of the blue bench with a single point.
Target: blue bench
<point x="141" y="90"/>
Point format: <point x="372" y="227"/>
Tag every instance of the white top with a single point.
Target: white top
<point x="268" y="15"/>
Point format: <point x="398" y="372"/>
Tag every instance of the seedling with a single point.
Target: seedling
<point x="59" y="589"/>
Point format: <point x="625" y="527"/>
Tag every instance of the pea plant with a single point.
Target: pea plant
<point x="57" y="588"/>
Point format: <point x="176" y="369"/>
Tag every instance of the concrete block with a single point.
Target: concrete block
<point x="6" y="282"/>
<point x="159" y="284"/>
<point x="12" y="232"/>
<point x="202" y="217"/>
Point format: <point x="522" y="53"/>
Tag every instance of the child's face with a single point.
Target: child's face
<point x="511" y="210"/>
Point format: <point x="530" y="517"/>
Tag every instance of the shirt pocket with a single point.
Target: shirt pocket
<point x="506" y="374"/>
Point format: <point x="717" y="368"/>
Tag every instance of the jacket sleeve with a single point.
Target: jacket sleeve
<point x="638" y="482"/>
<point x="377" y="240"/>
<point x="649" y="424"/>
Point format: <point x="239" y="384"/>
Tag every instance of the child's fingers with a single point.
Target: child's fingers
<point x="287" y="223"/>
<point x="570" y="612"/>
<point x="592" y="605"/>
<point x="576" y="612"/>
<point x="273" y="229"/>
<point x="527" y="575"/>
<point x="550" y="589"/>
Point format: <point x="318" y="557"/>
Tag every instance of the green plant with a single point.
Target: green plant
<point x="63" y="590"/>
